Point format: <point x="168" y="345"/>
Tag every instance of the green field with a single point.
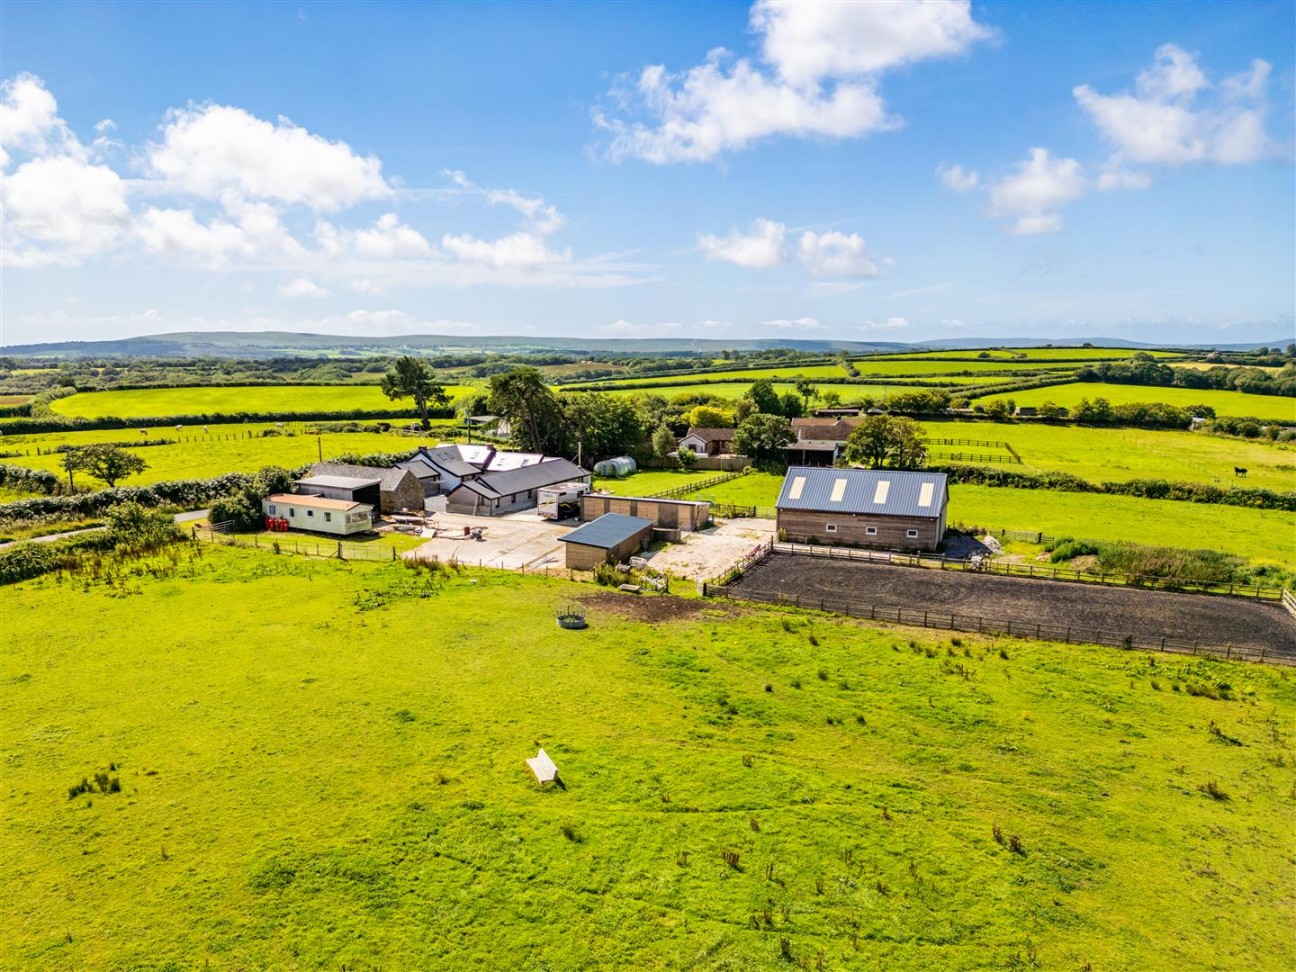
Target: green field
<point x="649" y="481"/>
<point x="226" y="449"/>
<point x="866" y="367"/>
<point x="1224" y="402"/>
<point x="753" y="489"/>
<point x="735" y="390"/>
<point x="227" y="400"/>
<point x="1033" y="354"/>
<point x="1119" y="454"/>
<point x="1260" y="535"/>
<point x="304" y="785"/>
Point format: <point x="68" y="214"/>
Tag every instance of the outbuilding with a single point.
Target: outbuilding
<point x="708" y="442"/>
<point x="891" y="508"/>
<point x="612" y="538"/>
<point x="356" y="489"/>
<point x="511" y="490"/>
<point x="398" y="489"/>
<point x="319" y="514"/>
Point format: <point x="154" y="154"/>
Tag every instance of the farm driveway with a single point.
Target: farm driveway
<point x="1121" y="610"/>
<point x="508" y="542"/>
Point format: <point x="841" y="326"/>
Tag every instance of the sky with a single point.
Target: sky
<point x="873" y="171"/>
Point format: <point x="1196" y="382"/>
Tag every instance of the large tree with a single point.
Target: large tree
<point x="761" y="438"/>
<point x="763" y="393"/>
<point x="105" y="461"/>
<point x="595" y="425"/>
<point x="887" y="440"/>
<point x="413" y="378"/>
<point x="808" y="391"/>
<point x="521" y="396"/>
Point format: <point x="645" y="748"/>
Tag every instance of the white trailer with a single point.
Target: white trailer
<point x="560" y="501"/>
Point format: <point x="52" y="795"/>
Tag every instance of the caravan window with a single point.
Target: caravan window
<point x="328" y="517"/>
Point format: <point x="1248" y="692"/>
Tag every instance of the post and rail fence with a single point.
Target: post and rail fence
<point x="996" y="626"/>
<point x="223" y="534"/>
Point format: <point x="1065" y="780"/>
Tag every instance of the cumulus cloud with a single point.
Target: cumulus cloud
<point x="760" y="249"/>
<point x="206" y="151"/>
<point x="890" y="324"/>
<point x="303" y="287"/>
<point x="29" y="121"/>
<point x="545" y="218"/>
<point x="58" y="210"/>
<point x="1035" y="188"/>
<point x="958" y="178"/>
<point x="835" y="254"/>
<point x="819" y="77"/>
<point x="1165" y="121"/>
<point x="516" y="251"/>
<point x="247" y="232"/>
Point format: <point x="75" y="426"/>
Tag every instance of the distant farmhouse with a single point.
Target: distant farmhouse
<point x="708" y="442"/>
<point x="888" y="508"/>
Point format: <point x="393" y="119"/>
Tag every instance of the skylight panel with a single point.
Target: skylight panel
<point x="838" y="491"/>
<point x="880" y="493"/>
<point x="798" y="484"/>
<point x="925" y="493"/>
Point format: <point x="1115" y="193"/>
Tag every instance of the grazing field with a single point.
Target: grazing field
<point x="866" y="367"/>
<point x="227" y="400"/>
<point x="1231" y="403"/>
<point x="753" y="489"/>
<point x="1032" y="354"/>
<point x="649" y="481"/>
<point x="226" y="449"/>
<point x="1264" y="536"/>
<point x="734" y="390"/>
<point x="1119" y="454"/>
<point x="304" y="785"/>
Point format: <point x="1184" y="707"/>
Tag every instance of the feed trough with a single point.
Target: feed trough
<point x="572" y="617"/>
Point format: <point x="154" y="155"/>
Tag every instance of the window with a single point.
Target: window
<point x="870" y="531"/>
<point x="838" y="491"/>
<point x="798" y="484"/>
<point x="881" y="490"/>
<point x="911" y="534"/>
<point x="328" y="517"/>
<point x="291" y="511"/>
<point x="310" y="512"/>
<point x="272" y="509"/>
<point x="925" y="494"/>
<point x="831" y="527"/>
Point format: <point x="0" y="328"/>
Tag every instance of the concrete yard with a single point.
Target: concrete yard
<point x="508" y="542"/>
<point x="708" y="553"/>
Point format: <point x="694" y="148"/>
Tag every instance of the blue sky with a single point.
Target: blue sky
<point x="870" y="171"/>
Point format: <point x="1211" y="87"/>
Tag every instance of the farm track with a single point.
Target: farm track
<point x="1142" y="613"/>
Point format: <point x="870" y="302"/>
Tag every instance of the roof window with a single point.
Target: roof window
<point x="838" y="490"/>
<point x="798" y="484"/>
<point x="881" y="491"/>
<point x="925" y="493"/>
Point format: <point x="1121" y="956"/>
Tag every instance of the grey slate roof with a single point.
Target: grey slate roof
<point x="337" y="482"/>
<point x="903" y="492"/>
<point x="607" y="531"/>
<point x="509" y="481"/>
<point x="388" y="479"/>
<point x="442" y="459"/>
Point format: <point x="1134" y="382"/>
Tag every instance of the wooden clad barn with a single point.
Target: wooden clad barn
<point x="889" y="508"/>
<point x="398" y="489"/>
<point x="319" y="514"/>
<point x="672" y="516"/>
<point x="612" y="538"/>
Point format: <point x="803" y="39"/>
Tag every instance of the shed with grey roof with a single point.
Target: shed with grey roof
<point x="355" y="489"/>
<point x="612" y="538"/>
<point x="892" y="508"/>
<point x="399" y="489"/>
<point x="510" y="490"/>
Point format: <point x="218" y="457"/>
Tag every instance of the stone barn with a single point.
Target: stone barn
<point x="398" y="489"/>
<point x="890" y="508"/>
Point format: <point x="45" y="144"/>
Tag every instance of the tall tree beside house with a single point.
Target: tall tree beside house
<point x="766" y="398"/>
<point x="598" y="426"/>
<point x="807" y="390"/>
<point x="663" y="442"/>
<point x="105" y="461"/>
<point x="762" y="438"/>
<point x="790" y="405"/>
<point x="709" y="417"/>
<point x="413" y="378"/>
<point x="532" y="409"/>
<point x="887" y="440"/>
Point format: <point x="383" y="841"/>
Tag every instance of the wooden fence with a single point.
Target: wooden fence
<point x="754" y="557"/>
<point x="1289" y="602"/>
<point x="679" y="492"/>
<point x="990" y="457"/>
<point x="704" y="463"/>
<point x="1037" y="571"/>
<point x="997" y="626"/>
<point x="285" y="544"/>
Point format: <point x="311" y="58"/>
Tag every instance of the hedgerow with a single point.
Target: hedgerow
<point x="53" y="423"/>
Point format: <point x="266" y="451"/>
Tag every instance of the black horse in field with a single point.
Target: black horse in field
<point x="1239" y="471"/>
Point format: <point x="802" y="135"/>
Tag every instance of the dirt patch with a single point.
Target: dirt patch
<point x="1116" y="611"/>
<point x="653" y="607"/>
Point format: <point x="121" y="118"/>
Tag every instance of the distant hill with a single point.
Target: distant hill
<point x="268" y="344"/>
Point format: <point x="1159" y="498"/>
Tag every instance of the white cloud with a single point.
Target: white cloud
<point x="958" y="178"/>
<point x="60" y="210"/>
<point x="835" y="254"/>
<point x="545" y="219"/>
<point x="303" y="287"/>
<point x="890" y="324"/>
<point x="29" y="121"/>
<point x="248" y="233"/>
<point x="823" y="62"/>
<point x="760" y="249"/>
<point x="1161" y="122"/>
<point x="516" y="251"/>
<point x="390" y="239"/>
<point x="796" y="324"/>
<point x="809" y="41"/>
<point x="206" y="151"/>
<point x="1036" y="187"/>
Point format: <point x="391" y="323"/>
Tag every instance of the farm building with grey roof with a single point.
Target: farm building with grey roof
<point x="891" y="508"/>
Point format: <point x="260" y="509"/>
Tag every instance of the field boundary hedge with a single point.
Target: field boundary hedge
<point x="178" y="492"/>
<point x="78" y="424"/>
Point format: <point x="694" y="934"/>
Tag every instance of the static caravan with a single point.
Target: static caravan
<point x="319" y="514"/>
